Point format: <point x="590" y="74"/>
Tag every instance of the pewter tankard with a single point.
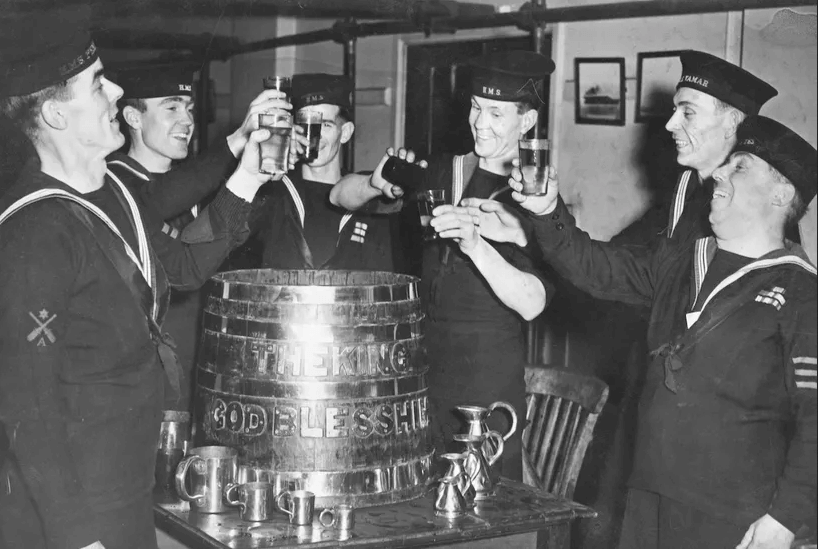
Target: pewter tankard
<point x="211" y="468"/>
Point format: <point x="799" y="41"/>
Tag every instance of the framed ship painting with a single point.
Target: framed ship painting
<point x="599" y="89"/>
<point x="657" y="73"/>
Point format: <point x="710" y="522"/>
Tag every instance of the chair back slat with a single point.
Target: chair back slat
<point x="538" y="419"/>
<point x="546" y="435"/>
<point x="569" y="451"/>
<point x="532" y="401"/>
<point x="555" y="450"/>
<point x="561" y="413"/>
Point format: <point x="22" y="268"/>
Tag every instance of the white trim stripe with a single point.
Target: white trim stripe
<point x="138" y="174"/>
<point x="143" y="262"/>
<point x="806" y="373"/>
<point x="299" y="204"/>
<point x="344" y="221"/>
<point x="756" y="265"/>
<point x="679" y="201"/>
<point x="457" y="180"/>
<point x="42" y="194"/>
<point x="806" y="384"/>
<point x="805" y="360"/>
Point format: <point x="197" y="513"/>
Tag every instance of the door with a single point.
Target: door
<point x="438" y="98"/>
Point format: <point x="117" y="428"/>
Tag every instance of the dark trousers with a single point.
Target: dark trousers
<point x="129" y="526"/>
<point x="656" y="522"/>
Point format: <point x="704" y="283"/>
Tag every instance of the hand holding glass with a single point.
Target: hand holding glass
<point x="427" y="202"/>
<point x="274" y="151"/>
<point x="535" y="158"/>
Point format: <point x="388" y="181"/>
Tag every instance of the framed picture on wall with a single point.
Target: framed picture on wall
<point x="657" y="73"/>
<point x="599" y="86"/>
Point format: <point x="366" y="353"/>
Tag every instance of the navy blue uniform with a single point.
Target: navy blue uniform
<point x="727" y="418"/>
<point x="81" y="379"/>
<point x="294" y="226"/>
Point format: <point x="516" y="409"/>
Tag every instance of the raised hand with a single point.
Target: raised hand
<point x="376" y="180"/>
<point x="267" y="101"/>
<point x="496" y="221"/>
<point x="457" y="223"/>
<point x="538" y="205"/>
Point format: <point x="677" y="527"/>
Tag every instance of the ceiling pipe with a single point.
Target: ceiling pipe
<point x="527" y="18"/>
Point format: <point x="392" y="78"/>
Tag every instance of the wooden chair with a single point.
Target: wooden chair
<point x="561" y="414"/>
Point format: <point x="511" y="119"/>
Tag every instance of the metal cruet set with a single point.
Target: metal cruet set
<point x="469" y="477"/>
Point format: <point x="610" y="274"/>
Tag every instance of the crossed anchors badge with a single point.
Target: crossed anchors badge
<point x="42" y="330"/>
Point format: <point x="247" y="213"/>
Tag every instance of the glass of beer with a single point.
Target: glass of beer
<point x="427" y="202"/>
<point x="275" y="150"/>
<point x="280" y="83"/>
<point x="535" y="158"/>
<point x="310" y="122"/>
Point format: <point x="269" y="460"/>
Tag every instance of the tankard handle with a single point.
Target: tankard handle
<point x="498" y="438"/>
<point x="511" y="410"/>
<point x="181" y="474"/>
<point x="287" y="510"/>
<point x="230" y="490"/>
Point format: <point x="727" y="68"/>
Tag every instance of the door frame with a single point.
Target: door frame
<point x="416" y="39"/>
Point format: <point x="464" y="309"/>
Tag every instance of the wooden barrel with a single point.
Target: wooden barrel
<point x="318" y="378"/>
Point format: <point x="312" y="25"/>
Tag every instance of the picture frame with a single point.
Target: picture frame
<point x="657" y="73"/>
<point x="599" y="89"/>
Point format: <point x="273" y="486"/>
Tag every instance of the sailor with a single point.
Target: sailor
<point x="294" y="225"/>
<point x="476" y="293"/>
<point x="85" y="283"/>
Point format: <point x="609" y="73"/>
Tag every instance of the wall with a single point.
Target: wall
<point x="781" y="47"/>
<point x="601" y="167"/>
<point x="220" y="72"/>
<point x="374" y="69"/>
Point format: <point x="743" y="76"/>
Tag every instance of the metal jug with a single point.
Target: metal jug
<point x="476" y="419"/>
<point x="449" y="501"/>
<point x="477" y="466"/>
<point x="457" y="470"/>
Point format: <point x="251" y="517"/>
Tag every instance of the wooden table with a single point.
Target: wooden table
<point x="516" y="509"/>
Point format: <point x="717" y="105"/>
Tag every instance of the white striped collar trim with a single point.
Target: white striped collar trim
<point x="805" y="360"/>
<point x="457" y="180"/>
<point x="137" y="173"/>
<point x="679" y="201"/>
<point x="143" y="262"/>
<point x="299" y="204"/>
<point x="755" y="266"/>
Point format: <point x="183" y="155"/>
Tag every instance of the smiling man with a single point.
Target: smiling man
<point x="726" y="438"/>
<point x="712" y="98"/>
<point x="157" y="106"/>
<point x="475" y="293"/>
<point x="158" y="111"/>
<point x="85" y="287"/>
<point x="294" y="225"/>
